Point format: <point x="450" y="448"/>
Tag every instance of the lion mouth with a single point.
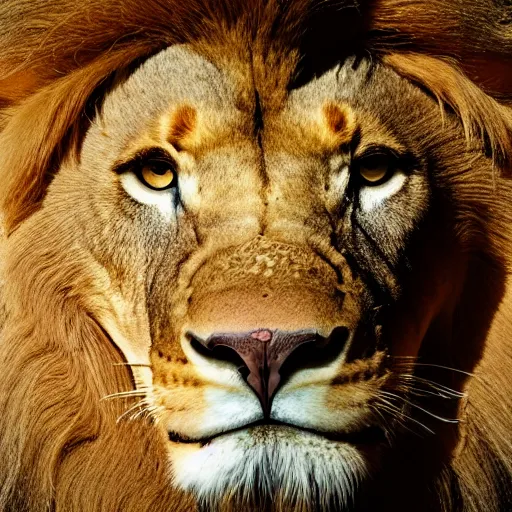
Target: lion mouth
<point x="368" y="435"/>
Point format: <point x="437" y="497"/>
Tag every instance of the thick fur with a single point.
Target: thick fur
<point x="60" y="58"/>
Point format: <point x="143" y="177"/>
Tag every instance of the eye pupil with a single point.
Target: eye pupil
<point x="375" y="169"/>
<point x="376" y="161"/>
<point x="159" y="169"/>
<point x="157" y="175"/>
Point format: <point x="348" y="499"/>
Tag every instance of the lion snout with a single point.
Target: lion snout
<point x="266" y="357"/>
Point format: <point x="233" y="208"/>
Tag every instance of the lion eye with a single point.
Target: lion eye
<point x="376" y="169"/>
<point x="157" y="175"/>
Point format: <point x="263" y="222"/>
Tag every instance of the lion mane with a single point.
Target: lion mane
<point x="60" y="449"/>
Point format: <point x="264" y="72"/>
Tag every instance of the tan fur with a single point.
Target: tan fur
<point x="59" y="57"/>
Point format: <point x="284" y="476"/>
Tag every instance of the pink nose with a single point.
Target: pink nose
<point x="261" y="355"/>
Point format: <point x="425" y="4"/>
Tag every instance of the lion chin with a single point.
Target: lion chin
<point x="282" y="466"/>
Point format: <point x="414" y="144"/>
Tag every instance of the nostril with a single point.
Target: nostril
<point x="319" y="352"/>
<point x="228" y="355"/>
<point x="198" y="344"/>
<point x="218" y="352"/>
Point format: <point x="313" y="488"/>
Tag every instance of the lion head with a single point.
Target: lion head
<point x="255" y="257"/>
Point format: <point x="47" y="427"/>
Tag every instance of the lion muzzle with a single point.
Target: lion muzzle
<point x="265" y="357"/>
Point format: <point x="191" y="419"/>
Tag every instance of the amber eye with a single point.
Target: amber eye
<point x="376" y="168"/>
<point x="157" y="174"/>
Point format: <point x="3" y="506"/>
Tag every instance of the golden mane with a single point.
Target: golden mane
<point x="57" y="59"/>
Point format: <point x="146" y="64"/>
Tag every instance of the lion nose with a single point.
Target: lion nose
<point x="265" y="357"/>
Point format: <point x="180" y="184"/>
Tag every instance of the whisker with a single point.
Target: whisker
<point x="142" y="411"/>
<point x="444" y="393"/>
<point x="411" y="361"/>
<point x="153" y="411"/>
<point x="395" y="409"/>
<point x="435" y="385"/>
<point x="394" y="413"/>
<point x="145" y="365"/>
<point x="156" y="413"/>
<point x="384" y="420"/>
<point x="440" y="418"/>
<point x="144" y="408"/>
<point x="446" y="368"/>
<point x="425" y="393"/>
<point x="412" y="404"/>
<point x="130" y="411"/>
<point x="126" y="394"/>
<point x="406" y="358"/>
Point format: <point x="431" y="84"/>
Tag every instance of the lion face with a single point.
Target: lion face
<point x="266" y="267"/>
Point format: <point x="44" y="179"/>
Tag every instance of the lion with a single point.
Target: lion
<point x="255" y="256"/>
